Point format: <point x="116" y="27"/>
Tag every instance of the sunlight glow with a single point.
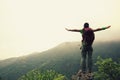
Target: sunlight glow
<point x="28" y="26"/>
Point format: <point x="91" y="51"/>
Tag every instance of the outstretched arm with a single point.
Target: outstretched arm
<point x="99" y="29"/>
<point x="73" y="30"/>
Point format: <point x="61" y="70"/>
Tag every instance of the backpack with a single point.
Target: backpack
<point x="88" y="36"/>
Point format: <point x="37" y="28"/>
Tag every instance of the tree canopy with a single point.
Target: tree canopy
<point x="107" y="69"/>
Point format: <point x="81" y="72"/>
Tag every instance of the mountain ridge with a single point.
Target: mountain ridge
<point x="64" y="58"/>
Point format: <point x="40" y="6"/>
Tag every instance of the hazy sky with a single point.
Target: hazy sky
<point x="28" y="26"/>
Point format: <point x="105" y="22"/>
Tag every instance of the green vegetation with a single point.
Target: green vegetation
<point x="42" y="75"/>
<point x="0" y="78"/>
<point x="64" y="58"/>
<point x="107" y="69"/>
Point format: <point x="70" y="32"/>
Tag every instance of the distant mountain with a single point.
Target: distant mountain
<point x="64" y="58"/>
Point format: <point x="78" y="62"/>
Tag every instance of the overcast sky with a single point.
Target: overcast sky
<point x="28" y="26"/>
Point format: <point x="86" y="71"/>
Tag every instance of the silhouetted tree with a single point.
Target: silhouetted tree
<point x="0" y="78"/>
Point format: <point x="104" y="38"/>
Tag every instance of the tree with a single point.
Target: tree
<point x="0" y="78"/>
<point x="107" y="69"/>
<point x="43" y="75"/>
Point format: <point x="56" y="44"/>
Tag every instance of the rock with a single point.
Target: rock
<point x="82" y="76"/>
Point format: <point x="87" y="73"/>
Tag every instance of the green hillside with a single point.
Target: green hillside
<point x="64" y="59"/>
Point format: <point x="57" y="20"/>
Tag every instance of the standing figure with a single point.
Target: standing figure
<point x="87" y="41"/>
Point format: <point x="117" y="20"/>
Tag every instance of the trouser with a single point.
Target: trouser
<point x="86" y="58"/>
